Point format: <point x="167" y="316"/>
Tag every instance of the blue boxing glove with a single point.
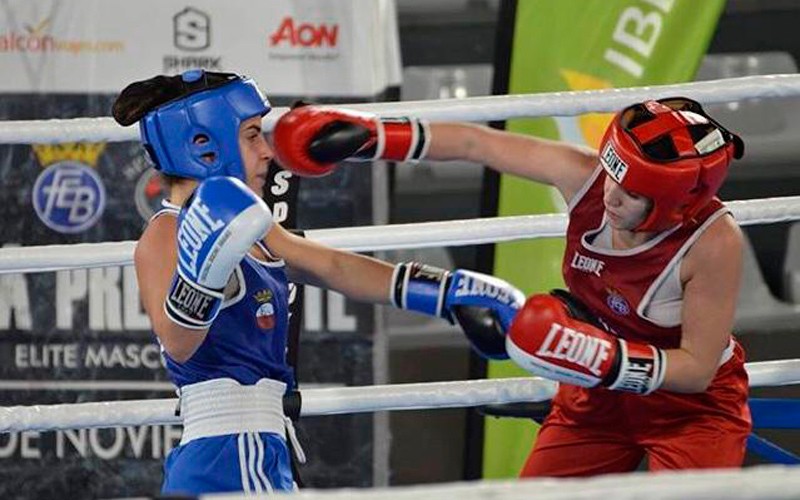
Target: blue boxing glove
<point x="216" y="228"/>
<point x="484" y="306"/>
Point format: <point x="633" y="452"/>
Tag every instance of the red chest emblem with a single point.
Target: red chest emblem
<point x="265" y="314"/>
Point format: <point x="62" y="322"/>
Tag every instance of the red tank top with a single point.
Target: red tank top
<point x="617" y="285"/>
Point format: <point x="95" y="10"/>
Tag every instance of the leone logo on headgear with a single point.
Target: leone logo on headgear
<point x="613" y="164"/>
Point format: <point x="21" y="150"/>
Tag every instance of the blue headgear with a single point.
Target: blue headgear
<point x="170" y="132"/>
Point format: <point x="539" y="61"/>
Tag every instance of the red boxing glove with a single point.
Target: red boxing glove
<point x="309" y="141"/>
<point x="547" y="340"/>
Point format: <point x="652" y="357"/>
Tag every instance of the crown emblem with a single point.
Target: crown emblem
<point x="263" y="296"/>
<point x="83" y="152"/>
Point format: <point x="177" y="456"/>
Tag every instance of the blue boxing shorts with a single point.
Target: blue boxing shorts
<point x="233" y="440"/>
<point x="249" y="462"/>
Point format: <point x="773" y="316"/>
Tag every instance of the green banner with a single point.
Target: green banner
<point x="578" y="45"/>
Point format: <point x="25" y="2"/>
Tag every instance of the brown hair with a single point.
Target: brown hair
<point x="139" y="98"/>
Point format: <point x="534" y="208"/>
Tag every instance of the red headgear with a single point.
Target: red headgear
<point x="671" y="152"/>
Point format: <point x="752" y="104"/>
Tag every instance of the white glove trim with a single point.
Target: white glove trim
<point x="542" y="368"/>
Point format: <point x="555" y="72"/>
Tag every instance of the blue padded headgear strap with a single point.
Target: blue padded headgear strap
<point x="197" y="135"/>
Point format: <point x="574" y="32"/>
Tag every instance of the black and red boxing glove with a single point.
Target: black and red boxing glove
<point x="310" y="140"/>
<point x="553" y="336"/>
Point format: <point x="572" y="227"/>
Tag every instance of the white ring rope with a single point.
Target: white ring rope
<point x="335" y="401"/>
<point x="477" y="109"/>
<point x="766" y="482"/>
<point x="374" y="238"/>
<point x="329" y="401"/>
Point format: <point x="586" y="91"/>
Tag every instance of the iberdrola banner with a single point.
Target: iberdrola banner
<point x="576" y="45"/>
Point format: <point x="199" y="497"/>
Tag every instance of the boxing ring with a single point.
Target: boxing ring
<point x="759" y="482"/>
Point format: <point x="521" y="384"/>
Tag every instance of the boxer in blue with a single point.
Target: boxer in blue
<point x="213" y="269"/>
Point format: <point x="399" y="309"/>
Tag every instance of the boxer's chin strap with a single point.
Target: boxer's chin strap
<point x="292" y="435"/>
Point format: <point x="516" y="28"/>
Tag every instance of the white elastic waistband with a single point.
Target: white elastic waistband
<point x="223" y="406"/>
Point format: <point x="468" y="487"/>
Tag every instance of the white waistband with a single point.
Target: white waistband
<point x="223" y="406"/>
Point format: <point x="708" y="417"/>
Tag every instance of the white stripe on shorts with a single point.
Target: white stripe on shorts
<point x="260" y="463"/>
<point x="251" y="463"/>
<point x="243" y="464"/>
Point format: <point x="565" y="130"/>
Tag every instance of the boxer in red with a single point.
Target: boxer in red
<point x="642" y="343"/>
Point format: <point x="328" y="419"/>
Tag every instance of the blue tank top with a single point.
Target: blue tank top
<point x="247" y="341"/>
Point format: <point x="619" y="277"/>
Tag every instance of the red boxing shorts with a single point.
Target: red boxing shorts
<point x="597" y="431"/>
